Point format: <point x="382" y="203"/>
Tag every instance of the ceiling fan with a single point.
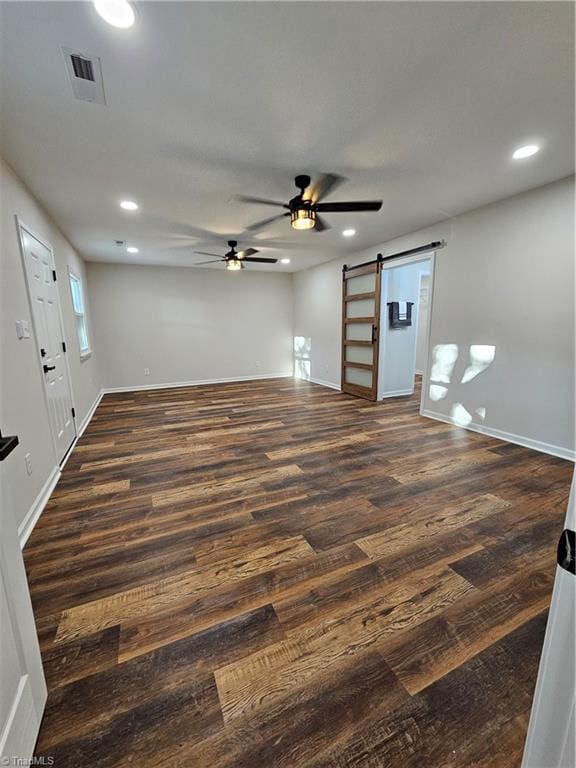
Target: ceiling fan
<point x="304" y="208"/>
<point x="234" y="260"/>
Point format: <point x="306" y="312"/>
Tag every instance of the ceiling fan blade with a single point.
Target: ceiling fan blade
<point x="201" y="263"/>
<point x="246" y="252"/>
<point x="206" y="253"/>
<point x="359" y="205"/>
<point x="323" y="185"/>
<point x="258" y="201"/>
<point x="261" y="260"/>
<point x="321" y="224"/>
<point x="265" y="222"/>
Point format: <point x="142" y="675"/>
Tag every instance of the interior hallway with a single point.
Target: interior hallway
<point x="272" y="573"/>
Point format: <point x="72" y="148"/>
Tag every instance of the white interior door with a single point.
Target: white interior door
<point x="44" y="302"/>
<point x="551" y="739"/>
<point x="22" y="684"/>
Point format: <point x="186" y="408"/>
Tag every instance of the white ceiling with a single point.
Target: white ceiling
<point x="420" y="104"/>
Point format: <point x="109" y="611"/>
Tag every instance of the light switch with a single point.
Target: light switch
<point x="23" y="329"/>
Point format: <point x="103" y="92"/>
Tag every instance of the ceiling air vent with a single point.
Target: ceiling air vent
<point x="85" y="75"/>
<point x="82" y="67"/>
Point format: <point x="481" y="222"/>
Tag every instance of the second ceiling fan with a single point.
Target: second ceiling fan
<point x="234" y="259"/>
<point x="304" y="208"/>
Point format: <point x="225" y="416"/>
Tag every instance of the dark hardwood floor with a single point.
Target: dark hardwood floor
<point x="276" y="574"/>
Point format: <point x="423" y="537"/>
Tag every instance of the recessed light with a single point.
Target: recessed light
<point x="132" y="249"/>
<point x="284" y="261"/>
<point x="119" y="13"/>
<point x="348" y="232"/>
<point x="129" y="205"/>
<point x="527" y="151"/>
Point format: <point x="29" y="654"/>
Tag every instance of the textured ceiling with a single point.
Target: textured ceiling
<point x="420" y="104"/>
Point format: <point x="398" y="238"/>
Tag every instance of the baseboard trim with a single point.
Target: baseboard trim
<point x="195" y="383"/>
<point x="397" y="393"/>
<point x="27" y="525"/>
<point x="323" y="383"/>
<point x="508" y="437"/>
<point x="88" y="418"/>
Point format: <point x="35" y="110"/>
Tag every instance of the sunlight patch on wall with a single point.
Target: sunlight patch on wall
<point x="481" y="356"/>
<point x="438" y="392"/>
<point x="451" y="373"/>
<point x="460" y="415"/>
<point x="444" y="357"/>
<point x="302" y="352"/>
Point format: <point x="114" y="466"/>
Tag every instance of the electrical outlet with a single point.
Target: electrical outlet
<point x="258" y="363"/>
<point x="146" y="371"/>
<point x="28" y="460"/>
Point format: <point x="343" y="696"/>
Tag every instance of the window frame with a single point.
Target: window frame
<point x="79" y="316"/>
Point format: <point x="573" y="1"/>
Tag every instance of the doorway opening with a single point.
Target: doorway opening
<point x="405" y="304"/>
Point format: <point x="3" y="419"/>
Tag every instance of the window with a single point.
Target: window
<point x="79" y="314"/>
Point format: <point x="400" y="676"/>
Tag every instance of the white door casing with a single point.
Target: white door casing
<point x="422" y="329"/>
<point x="47" y="320"/>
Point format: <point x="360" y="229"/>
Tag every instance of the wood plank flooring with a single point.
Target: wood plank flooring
<point x="275" y="574"/>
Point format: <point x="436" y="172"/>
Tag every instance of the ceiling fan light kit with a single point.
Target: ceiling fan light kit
<point x="303" y="218"/>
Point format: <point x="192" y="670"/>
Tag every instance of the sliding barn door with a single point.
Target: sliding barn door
<point x="360" y="329"/>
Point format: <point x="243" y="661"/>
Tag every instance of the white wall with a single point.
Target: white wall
<point x="397" y="356"/>
<point x="505" y="278"/>
<point x="189" y="325"/>
<point x="318" y="317"/>
<point x="22" y="404"/>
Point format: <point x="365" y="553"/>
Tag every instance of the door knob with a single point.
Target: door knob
<point x="48" y="368"/>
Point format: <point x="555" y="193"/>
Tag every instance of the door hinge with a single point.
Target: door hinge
<point x="73" y="413"/>
<point x="54" y="275"/>
<point x="64" y="346"/>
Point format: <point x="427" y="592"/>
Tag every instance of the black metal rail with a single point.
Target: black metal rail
<point x="435" y="246"/>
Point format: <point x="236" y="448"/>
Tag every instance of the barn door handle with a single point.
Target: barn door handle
<point x="48" y="368"/>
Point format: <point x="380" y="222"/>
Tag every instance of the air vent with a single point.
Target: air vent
<point x="82" y="67"/>
<point x="85" y="75"/>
